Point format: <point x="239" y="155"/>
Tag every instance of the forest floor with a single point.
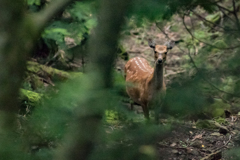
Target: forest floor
<point x="186" y="141"/>
<point x="201" y="140"/>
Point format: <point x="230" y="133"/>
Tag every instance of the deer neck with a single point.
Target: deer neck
<point x="157" y="79"/>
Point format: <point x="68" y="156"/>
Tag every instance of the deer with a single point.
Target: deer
<point x="144" y="83"/>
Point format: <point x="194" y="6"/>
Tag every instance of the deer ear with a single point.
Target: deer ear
<point x="151" y="43"/>
<point x="170" y="44"/>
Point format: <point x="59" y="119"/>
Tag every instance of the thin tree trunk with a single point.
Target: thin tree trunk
<point x="79" y="143"/>
<point x="18" y="33"/>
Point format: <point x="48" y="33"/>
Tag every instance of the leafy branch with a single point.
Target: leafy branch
<point x="194" y="64"/>
<point x="214" y="24"/>
<point x="194" y="37"/>
<point x="235" y="14"/>
<point x="206" y="79"/>
<point x="222" y="9"/>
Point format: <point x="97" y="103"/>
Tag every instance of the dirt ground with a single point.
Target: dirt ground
<point x="188" y="142"/>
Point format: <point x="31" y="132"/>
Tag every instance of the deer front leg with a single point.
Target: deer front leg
<point x="158" y="103"/>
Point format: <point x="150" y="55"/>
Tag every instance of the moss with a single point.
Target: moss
<point x="112" y="116"/>
<point x="36" y="82"/>
<point x="46" y="72"/>
<point x="217" y="108"/>
<point x="208" y="124"/>
<point x="30" y="96"/>
<point x="221" y="120"/>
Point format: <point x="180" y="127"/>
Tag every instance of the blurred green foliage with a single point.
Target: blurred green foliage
<point x="78" y="20"/>
<point x="34" y="2"/>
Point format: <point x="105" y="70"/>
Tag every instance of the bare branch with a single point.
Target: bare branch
<point x="222" y="9"/>
<point x="235" y="14"/>
<point x="204" y="19"/>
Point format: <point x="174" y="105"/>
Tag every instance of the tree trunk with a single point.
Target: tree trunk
<point x="102" y="53"/>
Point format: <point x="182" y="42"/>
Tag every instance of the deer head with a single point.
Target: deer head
<point x="160" y="51"/>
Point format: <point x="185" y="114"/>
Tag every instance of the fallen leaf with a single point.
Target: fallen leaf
<point x="173" y="144"/>
<point x="215" y="134"/>
<point x="199" y="136"/>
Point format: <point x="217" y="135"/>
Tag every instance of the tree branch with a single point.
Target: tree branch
<point x="206" y="79"/>
<point x="188" y="30"/>
<point x="204" y="19"/>
<point x="18" y="34"/>
<point x="222" y="10"/>
<point x="235" y="14"/>
<point x="41" y="18"/>
<point x="195" y="66"/>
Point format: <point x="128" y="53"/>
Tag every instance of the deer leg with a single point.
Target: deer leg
<point x="131" y="104"/>
<point x="156" y="115"/>
<point x="145" y="111"/>
<point x="158" y="109"/>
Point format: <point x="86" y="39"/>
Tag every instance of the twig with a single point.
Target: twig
<point x="204" y="19"/>
<point x="162" y="30"/>
<point x="235" y="14"/>
<point x="222" y="8"/>
<point x="210" y="155"/>
<point x="198" y="136"/>
<point x="217" y="151"/>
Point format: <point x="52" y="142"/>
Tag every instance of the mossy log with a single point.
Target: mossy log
<point x="217" y="108"/>
<point x="31" y="97"/>
<point x="49" y="72"/>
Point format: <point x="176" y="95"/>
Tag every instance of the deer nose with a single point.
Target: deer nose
<point x="160" y="61"/>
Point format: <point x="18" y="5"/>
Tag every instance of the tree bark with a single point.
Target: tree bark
<point x="18" y="33"/>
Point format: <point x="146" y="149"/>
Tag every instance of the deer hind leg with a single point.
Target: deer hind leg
<point x="131" y="104"/>
<point x="145" y="110"/>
